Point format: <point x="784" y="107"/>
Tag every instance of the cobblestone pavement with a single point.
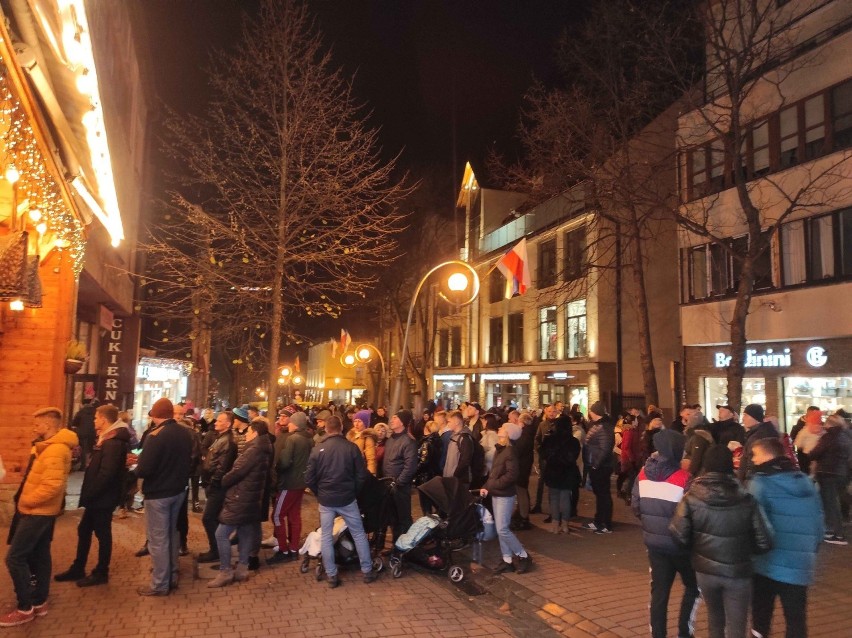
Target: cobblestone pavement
<point x="581" y="585"/>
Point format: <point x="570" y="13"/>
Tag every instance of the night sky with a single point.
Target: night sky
<point x="416" y="63"/>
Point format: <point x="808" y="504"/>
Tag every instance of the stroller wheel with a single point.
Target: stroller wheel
<point x="456" y="574"/>
<point x="320" y="571"/>
<point x="397" y="570"/>
<point x="394" y="561"/>
<point x="305" y="566"/>
<point x="378" y="564"/>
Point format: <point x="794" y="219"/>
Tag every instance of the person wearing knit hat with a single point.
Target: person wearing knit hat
<point x="241" y="414"/>
<point x="241" y="426"/>
<point x="164" y="466"/>
<point x="723" y="526"/>
<point x="364" y="437"/>
<point x="756" y="427"/>
<point x="600" y="442"/>
<point x="400" y="465"/>
<point x="500" y="485"/>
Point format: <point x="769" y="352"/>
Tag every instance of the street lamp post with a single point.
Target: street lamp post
<point x="363" y="354"/>
<point x="457" y="282"/>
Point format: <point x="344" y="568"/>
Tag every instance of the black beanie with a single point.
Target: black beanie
<point x="719" y="459"/>
<point x="405" y="417"/>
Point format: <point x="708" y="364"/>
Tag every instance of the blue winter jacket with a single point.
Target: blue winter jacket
<point x="793" y="507"/>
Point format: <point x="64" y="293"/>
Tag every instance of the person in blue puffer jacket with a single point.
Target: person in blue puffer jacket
<point x="792" y="505"/>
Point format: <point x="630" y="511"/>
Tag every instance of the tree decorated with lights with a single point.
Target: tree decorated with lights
<point x="284" y="206"/>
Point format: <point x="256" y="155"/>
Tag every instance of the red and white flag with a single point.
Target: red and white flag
<point x="515" y="267"/>
<point x="345" y="340"/>
<point x="297" y="367"/>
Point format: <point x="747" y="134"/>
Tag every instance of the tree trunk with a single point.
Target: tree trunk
<point x="736" y="369"/>
<point x="643" y="322"/>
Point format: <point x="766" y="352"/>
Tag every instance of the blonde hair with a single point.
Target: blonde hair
<point x="53" y="413"/>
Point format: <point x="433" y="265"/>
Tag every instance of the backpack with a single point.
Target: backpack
<point x="477" y="460"/>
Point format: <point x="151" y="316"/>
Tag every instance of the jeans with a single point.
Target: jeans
<point x="210" y="517"/>
<point x="600" y="477"/>
<point x="99" y="522"/>
<point x="830" y="486"/>
<point x="352" y="515"/>
<point x="664" y="568"/>
<point x="246" y="534"/>
<point x="727" y="600"/>
<point x="503" y="506"/>
<point x="794" y="601"/>
<point x="287" y="519"/>
<point x="28" y="559"/>
<point x="161" y="516"/>
<point x="560" y="504"/>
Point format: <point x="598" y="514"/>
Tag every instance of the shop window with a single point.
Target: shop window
<point x="547" y="333"/>
<point x="827" y="393"/>
<point x="547" y="263"/>
<point x="575" y="253"/>
<point x="455" y="346"/>
<point x="575" y="329"/>
<point x="716" y="391"/>
<point x="516" y="337"/>
<point x="495" y="340"/>
<point x="841" y="115"/>
<point x="496" y="286"/>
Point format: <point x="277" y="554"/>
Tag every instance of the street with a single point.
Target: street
<point x="581" y="585"/>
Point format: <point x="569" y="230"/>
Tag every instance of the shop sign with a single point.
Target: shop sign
<point x="815" y="356"/>
<point x="506" y="376"/>
<point x="449" y="377"/>
<point x="113" y="352"/>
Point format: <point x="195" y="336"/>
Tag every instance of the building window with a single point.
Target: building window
<point x="575" y="329"/>
<point x="443" y="348"/>
<point x="575" y="253"/>
<point x="516" y="337"/>
<point x="760" y="149"/>
<point x="713" y="271"/>
<point x="841" y="115"/>
<point x="698" y="269"/>
<point x="547" y="333"/>
<point x="814" y="127"/>
<point x="547" y="263"/>
<point x="816" y="249"/>
<point x="455" y="346"/>
<point x="788" y="126"/>
<point x="495" y="340"/>
<point x="496" y="286"/>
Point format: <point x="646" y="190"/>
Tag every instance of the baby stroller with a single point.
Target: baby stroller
<point x="374" y="503"/>
<point x="431" y="541"/>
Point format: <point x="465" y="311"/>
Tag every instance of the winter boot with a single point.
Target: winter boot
<point x="241" y="573"/>
<point x="224" y="577"/>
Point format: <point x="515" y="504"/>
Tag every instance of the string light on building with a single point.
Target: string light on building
<point x="27" y="171"/>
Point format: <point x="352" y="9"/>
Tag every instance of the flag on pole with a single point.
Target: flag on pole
<point x="334" y="346"/>
<point x="345" y="340"/>
<point x="296" y="366"/>
<point x="515" y="267"/>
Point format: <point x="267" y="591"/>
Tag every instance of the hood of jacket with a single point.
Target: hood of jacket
<point x="718" y="489"/>
<point x="63" y="437"/>
<point x="786" y="477"/>
<point x="658" y="468"/>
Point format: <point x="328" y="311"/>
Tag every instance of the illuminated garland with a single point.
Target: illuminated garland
<point x="35" y="183"/>
<point x="167" y="364"/>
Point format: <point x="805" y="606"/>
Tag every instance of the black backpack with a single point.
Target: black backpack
<point x="477" y="461"/>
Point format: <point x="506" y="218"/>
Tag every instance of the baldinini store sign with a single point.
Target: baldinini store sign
<point x="809" y="355"/>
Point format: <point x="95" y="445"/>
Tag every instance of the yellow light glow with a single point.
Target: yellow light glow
<point x="41" y="228"/>
<point x="281" y="380"/>
<point x="12" y="174"/>
<point x="364" y="354"/>
<point x="285" y="371"/>
<point x="297" y="380"/>
<point x="17" y="305"/>
<point x="35" y="215"/>
<point x="349" y="359"/>
<point x="336" y="380"/>
<point x="457" y="282"/>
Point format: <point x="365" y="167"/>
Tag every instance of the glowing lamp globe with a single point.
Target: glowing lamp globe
<point x="457" y="282"/>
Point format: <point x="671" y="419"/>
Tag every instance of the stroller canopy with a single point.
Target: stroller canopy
<point x="448" y="494"/>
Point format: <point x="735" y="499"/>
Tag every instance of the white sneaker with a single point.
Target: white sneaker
<point x="269" y="542"/>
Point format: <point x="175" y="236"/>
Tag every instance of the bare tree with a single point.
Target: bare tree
<point x="284" y="196"/>
<point x="754" y="49"/>
<point x="604" y="144"/>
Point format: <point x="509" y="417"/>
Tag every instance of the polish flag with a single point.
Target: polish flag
<point x="515" y="267"/>
<point x="345" y="340"/>
<point x="296" y="365"/>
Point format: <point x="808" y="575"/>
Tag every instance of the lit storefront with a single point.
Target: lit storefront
<point x="157" y="378"/>
<point x="506" y="388"/>
<point x="450" y="389"/>
<point x="785" y="377"/>
<point x="564" y="387"/>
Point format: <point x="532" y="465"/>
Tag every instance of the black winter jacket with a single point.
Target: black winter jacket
<point x="560" y="450"/>
<point x="336" y="471"/>
<point x="600" y="442"/>
<point x="524" y="447"/>
<point x="502" y="480"/>
<point x="166" y="460"/>
<point x="219" y="459"/>
<point x="722" y="524"/>
<point x="400" y="459"/>
<point x="245" y="484"/>
<point x="763" y="430"/>
<point x="103" y="483"/>
<point x="831" y="453"/>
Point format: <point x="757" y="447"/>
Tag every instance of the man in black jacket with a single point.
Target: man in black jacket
<point x="599" y="444"/>
<point x="335" y="474"/>
<point x="217" y="462"/>
<point x="400" y="464"/>
<point x="164" y="467"/>
<point x="755" y="429"/>
<point x="83" y="424"/>
<point x="103" y="486"/>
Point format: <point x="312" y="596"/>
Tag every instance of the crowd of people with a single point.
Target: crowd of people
<point x="734" y="506"/>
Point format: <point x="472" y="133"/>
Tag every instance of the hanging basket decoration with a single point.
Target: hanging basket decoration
<point x="72" y="366"/>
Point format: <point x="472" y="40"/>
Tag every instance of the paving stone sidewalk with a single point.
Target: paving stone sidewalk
<point x="581" y="585"/>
